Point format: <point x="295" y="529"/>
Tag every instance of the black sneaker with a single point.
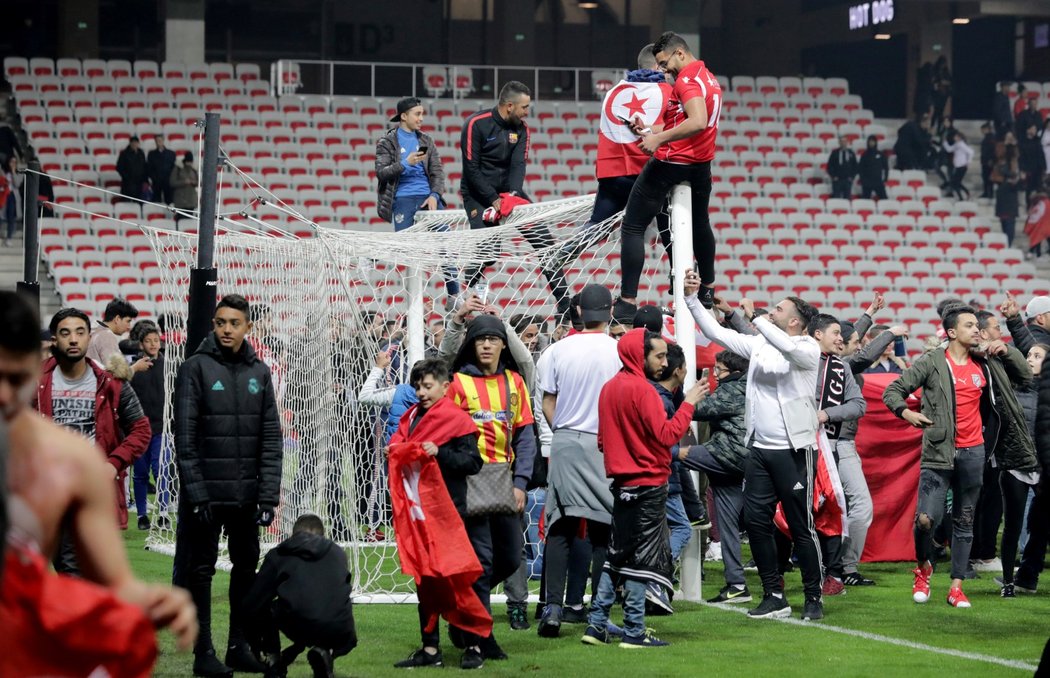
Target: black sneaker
<point x="472" y="659"/>
<point x="857" y="579"/>
<point x="550" y="622"/>
<point x="240" y="658"/>
<point x="595" y="636"/>
<point x="706" y="296"/>
<point x="771" y="607"/>
<point x="207" y="665"/>
<point x="420" y="658"/>
<point x="518" y="616"/>
<point x="143" y="522"/>
<point x="750" y="566"/>
<point x="163" y="522"/>
<point x="624" y="311"/>
<point x="656" y="597"/>
<point x="813" y="611"/>
<point x="490" y="649"/>
<point x="320" y="662"/>
<point x="574" y="615"/>
<point x="702" y="522"/>
<point x="732" y="594"/>
<point x="1007" y="591"/>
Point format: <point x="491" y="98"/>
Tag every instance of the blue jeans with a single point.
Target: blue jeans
<point x="633" y="605"/>
<point x="156" y="456"/>
<point x="678" y="523"/>
<point x="405" y="213"/>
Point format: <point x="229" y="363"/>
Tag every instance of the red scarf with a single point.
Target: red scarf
<point x="431" y="541"/>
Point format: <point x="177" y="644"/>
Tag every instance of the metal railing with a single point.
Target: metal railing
<point x="391" y="80"/>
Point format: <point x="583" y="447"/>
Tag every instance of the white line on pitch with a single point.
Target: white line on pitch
<point x="974" y="656"/>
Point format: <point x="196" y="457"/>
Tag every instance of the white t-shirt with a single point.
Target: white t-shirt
<point x="575" y="369"/>
<point x="73" y="402"/>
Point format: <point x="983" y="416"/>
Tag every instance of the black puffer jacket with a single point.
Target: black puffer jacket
<point x="389" y="169"/>
<point x="724" y="410"/>
<point x="227" y="432"/>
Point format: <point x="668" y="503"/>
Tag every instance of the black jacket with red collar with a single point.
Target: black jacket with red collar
<point x="494" y="156"/>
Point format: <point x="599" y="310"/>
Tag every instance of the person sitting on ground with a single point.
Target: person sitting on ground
<point x="56" y="478"/>
<point x="303" y="591"/>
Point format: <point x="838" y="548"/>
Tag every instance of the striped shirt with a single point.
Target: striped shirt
<point x="484" y="399"/>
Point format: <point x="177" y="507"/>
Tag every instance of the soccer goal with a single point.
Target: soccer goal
<point x="327" y="305"/>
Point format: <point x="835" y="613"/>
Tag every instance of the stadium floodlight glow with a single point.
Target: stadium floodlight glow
<point x="960" y="21"/>
<point x="883" y="36"/>
<point x="587" y="4"/>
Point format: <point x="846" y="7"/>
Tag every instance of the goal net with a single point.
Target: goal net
<point x="327" y="305"/>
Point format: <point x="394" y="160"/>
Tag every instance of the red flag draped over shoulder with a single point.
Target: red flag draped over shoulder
<point x="618" y="152"/>
<point x="889" y="449"/>
<point x="431" y="540"/>
<point x="1037" y="227"/>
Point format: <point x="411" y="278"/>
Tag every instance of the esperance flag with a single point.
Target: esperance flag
<point x="1037" y="228"/>
<point x="889" y="449"/>
<point x="431" y="541"/>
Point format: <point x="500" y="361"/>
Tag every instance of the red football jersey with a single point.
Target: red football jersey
<point x="693" y="81"/>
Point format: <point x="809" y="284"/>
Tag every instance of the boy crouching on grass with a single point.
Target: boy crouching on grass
<point x="303" y="590"/>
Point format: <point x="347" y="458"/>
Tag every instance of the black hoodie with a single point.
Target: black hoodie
<point x="308" y="578"/>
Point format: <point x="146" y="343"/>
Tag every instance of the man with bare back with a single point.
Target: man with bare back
<point x="53" y="624"/>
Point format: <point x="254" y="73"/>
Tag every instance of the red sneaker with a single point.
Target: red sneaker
<point x="920" y="592"/>
<point x="375" y="535"/>
<point x="832" y="587"/>
<point x="956" y="597"/>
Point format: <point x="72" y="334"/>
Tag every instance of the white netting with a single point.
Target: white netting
<point x="336" y="300"/>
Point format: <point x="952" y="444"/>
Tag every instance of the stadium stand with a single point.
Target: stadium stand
<point x="777" y="229"/>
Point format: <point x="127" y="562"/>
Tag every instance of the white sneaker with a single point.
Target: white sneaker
<point x="993" y="565"/>
<point x="714" y="552"/>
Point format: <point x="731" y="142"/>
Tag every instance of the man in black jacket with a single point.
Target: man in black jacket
<point x="131" y="166"/>
<point x="159" y="164"/>
<point x="874" y="169"/>
<point x="303" y="590"/>
<point x="1002" y="110"/>
<point x="228" y="449"/>
<point x="495" y="147"/>
<point x="842" y="168"/>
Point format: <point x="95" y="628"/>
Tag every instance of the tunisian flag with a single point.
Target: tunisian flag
<point x="431" y="540"/>
<point x="1037" y="228"/>
<point x="889" y="449"/>
<point x="618" y="151"/>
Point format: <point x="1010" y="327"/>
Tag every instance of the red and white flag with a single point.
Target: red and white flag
<point x="1037" y="228"/>
<point x="618" y="151"/>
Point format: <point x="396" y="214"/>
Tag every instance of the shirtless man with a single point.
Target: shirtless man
<point x="54" y="475"/>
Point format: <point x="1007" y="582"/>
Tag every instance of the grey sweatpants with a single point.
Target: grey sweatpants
<point x="858" y="501"/>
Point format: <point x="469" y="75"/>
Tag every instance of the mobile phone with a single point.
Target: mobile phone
<point x="482" y="290"/>
<point x="899" y="348"/>
<point x="624" y="120"/>
<point x="424" y="149"/>
<point x="705" y="374"/>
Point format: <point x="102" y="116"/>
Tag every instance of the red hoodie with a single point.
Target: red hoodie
<point x="634" y="432"/>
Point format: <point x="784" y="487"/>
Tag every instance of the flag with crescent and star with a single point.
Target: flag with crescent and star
<point x="618" y="151"/>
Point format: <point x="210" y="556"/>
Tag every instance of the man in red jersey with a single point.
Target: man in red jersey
<point x="681" y="152"/>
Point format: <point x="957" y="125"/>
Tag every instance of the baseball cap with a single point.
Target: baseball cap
<point x="406" y="104"/>
<point x="1037" y="306"/>
<point x="650" y="317"/>
<point x="595" y="304"/>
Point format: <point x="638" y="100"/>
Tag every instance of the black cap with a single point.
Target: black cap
<point x="595" y="304"/>
<point x="650" y="317"/>
<point x="406" y="104"/>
